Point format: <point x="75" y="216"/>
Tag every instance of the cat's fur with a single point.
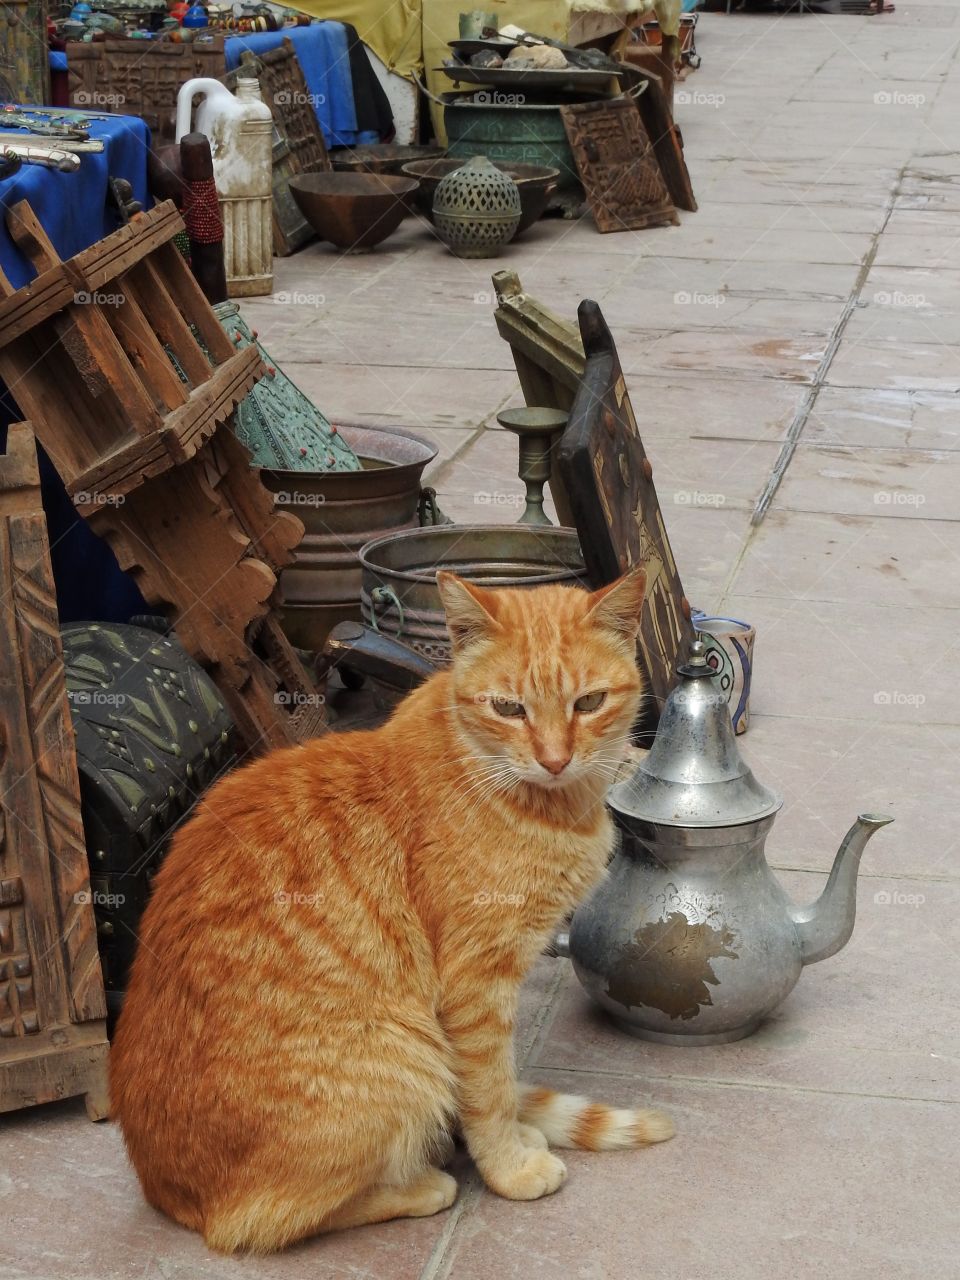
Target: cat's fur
<point x="328" y="969"/>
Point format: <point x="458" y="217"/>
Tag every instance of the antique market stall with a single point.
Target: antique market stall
<point x="300" y="308"/>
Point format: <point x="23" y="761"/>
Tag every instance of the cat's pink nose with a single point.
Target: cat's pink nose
<point x="554" y="764"/>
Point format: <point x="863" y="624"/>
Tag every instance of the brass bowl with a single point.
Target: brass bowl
<point x="536" y="184"/>
<point x="341" y="511"/>
<point x="354" y="211"/>
<point x="381" y="157"/>
<point x="384" y="158"/>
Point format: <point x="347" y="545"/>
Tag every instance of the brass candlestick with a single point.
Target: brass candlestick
<point x="536" y="429"/>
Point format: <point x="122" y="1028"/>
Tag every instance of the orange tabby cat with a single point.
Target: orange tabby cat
<point x="328" y="970"/>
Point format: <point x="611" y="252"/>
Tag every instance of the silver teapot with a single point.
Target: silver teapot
<point x="690" y="939"/>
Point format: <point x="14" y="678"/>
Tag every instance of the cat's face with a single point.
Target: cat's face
<point x="545" y="680"/>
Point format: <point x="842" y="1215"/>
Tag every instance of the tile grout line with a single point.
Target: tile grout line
<point x="438" y="1265"/>
<point x="475" y="434"/>
<point x="769" y="1085"/>
<point x="806" y="406"/>
<point x="546" y="1014"/>
<point x="471" y="1193"/>
<point x="927" y="877"/>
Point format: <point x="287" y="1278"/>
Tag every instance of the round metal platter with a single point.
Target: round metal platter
<point x="553" y="78"/>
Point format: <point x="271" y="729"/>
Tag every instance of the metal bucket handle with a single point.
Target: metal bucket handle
<point x="385" y="597"/>
<point x="432" y="96"/>
<point x="428" y="512"/>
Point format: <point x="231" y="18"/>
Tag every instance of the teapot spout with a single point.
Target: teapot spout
<point x="826" y="925"/>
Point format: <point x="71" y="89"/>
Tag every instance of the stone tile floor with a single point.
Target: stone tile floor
<point x="812" y="299"/>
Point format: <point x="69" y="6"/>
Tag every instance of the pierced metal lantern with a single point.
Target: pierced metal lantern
<point x="476" y="209"/>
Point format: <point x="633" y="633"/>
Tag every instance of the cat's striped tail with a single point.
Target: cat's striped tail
<point x="568" y="1121"/>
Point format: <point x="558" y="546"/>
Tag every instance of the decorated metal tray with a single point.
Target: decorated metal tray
<point x="498" y="44"/>
<point x="552" y="78"/>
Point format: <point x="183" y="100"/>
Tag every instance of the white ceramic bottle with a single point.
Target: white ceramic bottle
<point x="240" y="129"/>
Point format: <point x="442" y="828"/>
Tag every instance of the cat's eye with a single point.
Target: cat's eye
<point x="590" y="702"/>
<point x="507" y="707"/>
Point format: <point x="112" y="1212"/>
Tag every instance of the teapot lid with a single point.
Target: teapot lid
<point x="694" y="775"/>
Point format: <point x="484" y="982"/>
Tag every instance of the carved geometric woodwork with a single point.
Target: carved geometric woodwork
<point x="140" y="77"/>
<point x="617" y="165"/>
<point x="53" y="1040"/>
<point x="127" y="376"/>
<point x="609" y="482"/>
<point x="298" y="141"/>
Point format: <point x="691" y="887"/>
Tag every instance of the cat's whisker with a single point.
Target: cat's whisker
<point x="501" y="786"/>
<point x="485" y="766"/>
<point x="488" y="779"/>
<point x="497" y="781"/>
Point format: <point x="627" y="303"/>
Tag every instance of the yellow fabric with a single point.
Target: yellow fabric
<point x="412" y="35"/>
<point x="409" y="34"/>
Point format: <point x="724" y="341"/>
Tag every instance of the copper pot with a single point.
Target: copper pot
<point x="340" y="512"/>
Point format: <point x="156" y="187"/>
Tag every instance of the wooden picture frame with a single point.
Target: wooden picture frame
<point x="609" y="483"/>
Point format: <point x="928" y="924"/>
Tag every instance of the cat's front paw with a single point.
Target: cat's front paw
<point x="531" y="1137"/>
<point x="539" y="1173"/>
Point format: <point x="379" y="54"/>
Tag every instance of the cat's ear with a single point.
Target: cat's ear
<point x="617" y="607"/>
<point x="470" y="610"/>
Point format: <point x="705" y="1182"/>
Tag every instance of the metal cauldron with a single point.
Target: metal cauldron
<point x="517" y="133"/>
<point x="399" y="594"/>
<point x="340" y="512"/>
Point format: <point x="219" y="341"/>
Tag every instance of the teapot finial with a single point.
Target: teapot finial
<point x="694" y="774"/>
<point x="696" y="663"/>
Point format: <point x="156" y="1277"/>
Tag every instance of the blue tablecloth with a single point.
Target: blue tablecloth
<point x="72" y="207"/>
<point x="322" y="52"/>
<point x="73" y="211"/>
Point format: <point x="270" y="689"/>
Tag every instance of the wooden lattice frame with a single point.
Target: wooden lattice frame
<point x="128" y="376"/>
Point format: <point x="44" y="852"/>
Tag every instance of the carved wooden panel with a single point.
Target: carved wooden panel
<point x="24" y="69"/>
<point x="140" y="77"/>
<point x="617" y="165"/>
<point x="609" y="482"/>
<point x="283" y="86"/>
<point x="53" y="1039"/>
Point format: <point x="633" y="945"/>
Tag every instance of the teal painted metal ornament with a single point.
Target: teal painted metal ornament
<point x="278" y="424"/>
